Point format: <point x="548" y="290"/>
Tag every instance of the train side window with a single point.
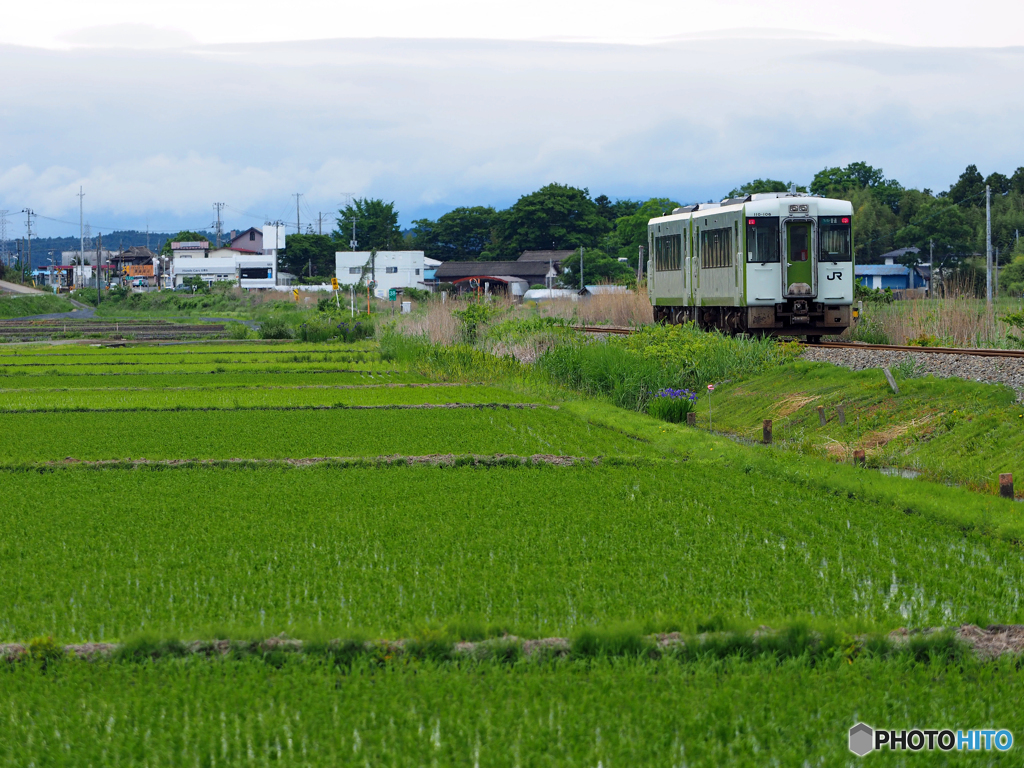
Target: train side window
<point x="834" y="239"/>
<point x="763" y="240"/>
<point x="716" y="248"/>
<point x="668" y="253"/>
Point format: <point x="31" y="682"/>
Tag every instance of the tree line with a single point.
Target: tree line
<point x="887" y="216"/>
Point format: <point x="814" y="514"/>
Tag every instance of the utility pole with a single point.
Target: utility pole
<point x="298" y="227"/>
<point x="5" y="258"/>
<point x="931" y="268"/>
<point x="99" y="248"/>
<point x="81" y="226"/>
<point x="582" y="287"/>
<point x="639" y="266"/>
<point x="988" y="244"/>
<point x="217" y="226"/>
<point x="353" y="243"/>
<point x="29" y="213"/>
<point x="995" y="272"/>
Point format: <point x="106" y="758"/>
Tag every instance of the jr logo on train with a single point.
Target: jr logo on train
<point x="776" y="263"/>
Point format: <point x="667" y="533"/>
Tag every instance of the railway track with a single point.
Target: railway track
<point x="1017" y="353"/>
<point x="931" y="350"/>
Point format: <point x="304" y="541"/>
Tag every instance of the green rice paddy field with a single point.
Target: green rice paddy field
<point x="661" y="529"/>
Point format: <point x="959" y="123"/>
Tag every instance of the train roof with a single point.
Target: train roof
<point x="764" y="202"/>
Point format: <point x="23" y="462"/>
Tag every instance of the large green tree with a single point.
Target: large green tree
<point x="943" y="224"/>
<point x="631" y="231"/>
<point x="308" y="253"/>
<point x="759" y="186"/>
<point x="376" y="226"/>
<point x="969" y="188"/>
<point x="612" y="210"/>
<point x="598" y="268"/>
<point x="841" y="182"/>
<point x="556" y="216"/>
<point x="462" y="234"/>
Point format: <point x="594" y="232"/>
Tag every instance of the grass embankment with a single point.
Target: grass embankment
<point x="33" y="304"/>
<point x="950" y="430"/>
<point x="157" y="304"/>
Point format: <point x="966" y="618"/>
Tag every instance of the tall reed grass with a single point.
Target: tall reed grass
<point x="623" y="309"/>
<point x="954" y="321"/>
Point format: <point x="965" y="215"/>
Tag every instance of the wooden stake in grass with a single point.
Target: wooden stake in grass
<point x="766" y="432"/>
<point x="711" y="388"/>
<point x="1006" y="485"/>
<point x="691" y="419"/>
<point x="891" y="380"/>
<point x="858" y="458"/>
<point x="821" y="415"/>
<point x="841" y="410"/>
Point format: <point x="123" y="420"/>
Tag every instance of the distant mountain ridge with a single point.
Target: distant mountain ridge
<point x="116" y="241"/>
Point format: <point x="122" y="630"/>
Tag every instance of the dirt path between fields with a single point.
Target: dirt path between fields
<point x="986" y="642"/>
<point x="432" y="460"/>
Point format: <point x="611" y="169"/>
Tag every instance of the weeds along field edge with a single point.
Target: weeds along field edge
<point x="253" y="397"/>
<point x="306" y="713"/>
<point x="80" y="352"/>
<point x="201" y="367"/>
<point x="52" y="380"/>
<point x="254" y="551"/>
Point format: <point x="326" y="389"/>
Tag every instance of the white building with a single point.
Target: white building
<point x="390" y="269"/>
<point x="248" y="270"/>
<point x="209" y="270"/>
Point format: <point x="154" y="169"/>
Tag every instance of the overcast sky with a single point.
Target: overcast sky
<point x="159" y="110"/>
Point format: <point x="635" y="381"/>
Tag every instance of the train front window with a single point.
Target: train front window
<point x="834" y="242"/>
<point x="763" y="240"/>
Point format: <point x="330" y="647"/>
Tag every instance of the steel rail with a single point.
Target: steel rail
<point x="975" y="351"/>
<point x="614" y="329"/>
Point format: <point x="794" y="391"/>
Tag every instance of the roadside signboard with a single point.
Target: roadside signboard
<point x="295" y="293"/>
<point x="334" y="283"/>
<point x="392" y="294"/>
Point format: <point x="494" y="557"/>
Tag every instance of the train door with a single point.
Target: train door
<point x="798" y="258"/>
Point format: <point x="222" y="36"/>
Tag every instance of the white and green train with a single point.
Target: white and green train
<point x="775" y="263"/>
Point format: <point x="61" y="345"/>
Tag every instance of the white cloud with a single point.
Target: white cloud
<point x="52" y="23"/>
<point x="162" y="134"/>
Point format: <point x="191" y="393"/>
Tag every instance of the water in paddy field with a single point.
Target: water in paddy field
<point x="909" y="474"/>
